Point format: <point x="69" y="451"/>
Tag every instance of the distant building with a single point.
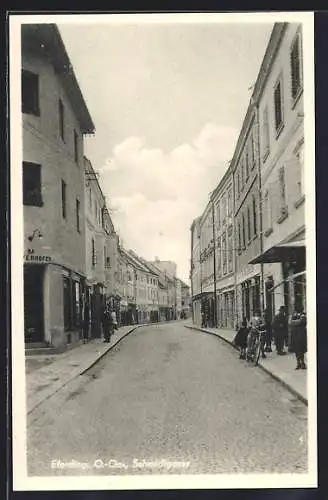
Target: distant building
<point x="195" y="272"/>
<point x="55" y="119"/>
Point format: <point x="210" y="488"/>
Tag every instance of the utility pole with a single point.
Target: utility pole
<point x="257" y="121"/>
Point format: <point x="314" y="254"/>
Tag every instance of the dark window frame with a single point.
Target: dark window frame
<point x="77" y="210"/>
<point x="64" y="199"/>
<point x="32" y="196"/>
<point x="254" y="217"/>
<point x="278" y="105"/>
<point x="61" y="117"/>
<point x="30" y="96"/>
<point x="296" y="67"/>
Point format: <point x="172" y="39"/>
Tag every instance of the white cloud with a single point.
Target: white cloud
<point x="156" y="195"/>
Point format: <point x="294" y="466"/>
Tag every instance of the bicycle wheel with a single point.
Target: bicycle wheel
<point x="257" y="352"/>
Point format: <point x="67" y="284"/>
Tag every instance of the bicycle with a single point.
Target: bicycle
<point x="253" y="350"/>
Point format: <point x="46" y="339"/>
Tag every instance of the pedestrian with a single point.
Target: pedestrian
<point x="114" y="320"/>
<point x="240" y="339"/>
<point x="107" y="323"/>
<point x="86" y="320"/>
<point x="280" y="330"/>
<point x="258" y="328"/>
<point x="204" y="320"/>
<point x="298" y="338"/>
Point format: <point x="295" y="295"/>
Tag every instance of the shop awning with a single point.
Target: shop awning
<point x="294" y="250"/>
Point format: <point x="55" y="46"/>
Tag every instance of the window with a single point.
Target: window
<point x="252" y="151"/>
<point x="278" y="108"/>
<point x="93" y="253"/>
<point x="267" y="214"/>
<point x="254" y="217"/>
<point x="229" y="202"/>
<point x="299" y="153"/>
<point x="76" y="147"/>
<point x="77" y="215"/>
<point x="249" y="224"/>
<point x="63" y="196"/>
<point x="218" y="215"/>
<point x="90" y="198"/>
<point x="61" y="112"/>
<point x="239" y="238"/>
<point x="243" y="231"/>
<point x="224" y="254"/>
<point x="218" y="263"/>
<point x="230" y="251"/>
<point x="223" y="209"/>
<point x="266" y="133"/>
<point x="282" y="189"/>
<point x="30" y="93"/>
<point x="242" y="170"/>
<point x="238" y="185"/>
<point x="32" y="184"/>
<point x="295" y="66"/>
<point x="246" y="165"/>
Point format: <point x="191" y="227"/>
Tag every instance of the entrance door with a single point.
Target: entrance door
<point x="33" y="303"/>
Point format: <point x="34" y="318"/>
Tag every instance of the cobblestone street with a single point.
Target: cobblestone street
<point x="166" y="392"/>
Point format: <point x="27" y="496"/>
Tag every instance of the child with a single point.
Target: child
<point x="241" y="339"/>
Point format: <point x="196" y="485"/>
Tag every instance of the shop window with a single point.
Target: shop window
<point x="295" y="66"/>
<point x="32" y="184"/>
<point x="30" y="93"/>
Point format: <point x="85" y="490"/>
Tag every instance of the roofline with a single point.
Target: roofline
<point x="273" y="45"/>
<point x="224" y="179"/>
<point x="46" y="38"/>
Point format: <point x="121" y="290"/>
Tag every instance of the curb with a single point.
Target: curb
<point x="79" y="372"/>
<point x="290" y="388"/>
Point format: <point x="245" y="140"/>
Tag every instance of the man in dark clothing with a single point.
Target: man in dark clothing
<point x="268" y="331"/>
<point x="108" y="323"/>
<point x="280" y="330"/>
<point x="299" y="338"/>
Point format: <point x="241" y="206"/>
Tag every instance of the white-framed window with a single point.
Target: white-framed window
<point x="278" y="105"/>
<point x="296" y="66"/>
<point x="299" y="153"/>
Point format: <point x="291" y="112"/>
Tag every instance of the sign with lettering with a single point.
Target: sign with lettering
<point x="37" y="258"/>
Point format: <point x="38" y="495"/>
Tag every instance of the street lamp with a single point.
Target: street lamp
<point x="35" y="232"/>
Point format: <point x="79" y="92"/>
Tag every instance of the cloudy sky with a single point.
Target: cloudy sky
<point x="167" y="101"/>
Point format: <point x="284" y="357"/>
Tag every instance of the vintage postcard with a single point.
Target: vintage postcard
<point x="163" y="251"/>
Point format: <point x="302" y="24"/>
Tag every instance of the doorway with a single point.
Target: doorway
<point x="33" y="303"/>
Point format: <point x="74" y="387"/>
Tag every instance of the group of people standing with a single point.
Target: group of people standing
<point x="107" y="318"/>
<point x="276" y="331"/>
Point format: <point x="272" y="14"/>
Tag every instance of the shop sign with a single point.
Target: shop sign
<point x="35" y="258"/>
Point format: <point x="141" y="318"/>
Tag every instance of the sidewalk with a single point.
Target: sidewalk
<point x="281" y="368"/>
<point x="59" y="369"/>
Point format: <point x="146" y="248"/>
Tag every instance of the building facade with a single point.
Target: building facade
<point x="223" y="206"/>
<point x="281" y="116"/>
<point x="266" y="180"/>
<point x="55" y="119"/>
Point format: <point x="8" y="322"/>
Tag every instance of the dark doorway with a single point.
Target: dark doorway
<point x="33" y="303"/>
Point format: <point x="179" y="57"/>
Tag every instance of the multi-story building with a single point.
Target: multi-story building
<point x="169" y="272"/>
<point x="195" y="271"/>
<point x="185" y="300"/>
<point x="245" y="170"/>
<point x="101" y="249"/>
<point x="207" y="260"/>
<point x="55" y="119"/>
<point x="222" y="201"/>
<point x="280" y="108"/>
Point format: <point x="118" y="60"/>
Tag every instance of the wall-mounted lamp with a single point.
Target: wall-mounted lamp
<point x="36" y="232"/>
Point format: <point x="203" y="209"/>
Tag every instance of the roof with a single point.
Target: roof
<point x="45" y="39"/>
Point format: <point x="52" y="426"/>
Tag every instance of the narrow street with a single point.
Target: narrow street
<point x="169" y="393"/>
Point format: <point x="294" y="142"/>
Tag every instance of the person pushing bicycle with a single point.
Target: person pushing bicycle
<point x="256" y="337"/>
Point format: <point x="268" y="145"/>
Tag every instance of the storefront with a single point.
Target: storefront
<point x="226" y="308"/>
<point x="290" y="291"/>
<point x="52" y="302"/>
